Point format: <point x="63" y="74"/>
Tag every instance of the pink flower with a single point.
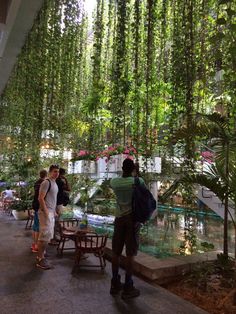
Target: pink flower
<point x="82" y="153"/>
<point x="130" y="157"/>
<point x="207" y="156"/>
<point x="133" y="150"/>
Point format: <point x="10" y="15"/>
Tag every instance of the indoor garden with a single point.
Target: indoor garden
<point x="98" y="81"/>
<point x="152" y="80"/>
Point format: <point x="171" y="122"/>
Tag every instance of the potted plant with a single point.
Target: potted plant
<point x="20" y="209"/>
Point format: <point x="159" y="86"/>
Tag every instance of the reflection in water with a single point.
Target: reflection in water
<point x="164" y="236"/>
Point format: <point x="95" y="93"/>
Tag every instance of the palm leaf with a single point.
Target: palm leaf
<point x="208" y="179"/>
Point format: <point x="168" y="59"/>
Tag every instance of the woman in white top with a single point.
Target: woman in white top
<point x="8" y="194"/>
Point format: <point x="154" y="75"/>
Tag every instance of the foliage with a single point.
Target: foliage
<point x="200" y="275"/>
<point x="189" y="244"/>
<point x="129" y="151"/>
<point x="149" y="65"/>
<point x="223" y="269"/>
<point x="21" y="205"/>
<point x="207" y="246"/>
<point x="133" y="77"/>
<point x="84" y="185"/>
<point x="225" y="265"/>
<point x="103" y="206"/>
<point x="220" y="176"/>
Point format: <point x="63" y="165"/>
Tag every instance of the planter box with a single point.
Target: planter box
<point x="120" y="159"/>
<point x="20" y="215"/>
<point x="88" y="166"/>
<point x="75" y="167"/>
<point x="82" y="166"/>
<point x="102" y="165"/>
<point x="112" y="164"/>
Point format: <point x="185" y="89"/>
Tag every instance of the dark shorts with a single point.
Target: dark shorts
<point x="126" y="232"/>
<point x="36" y="222"/>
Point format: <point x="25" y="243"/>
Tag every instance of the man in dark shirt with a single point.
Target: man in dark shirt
<point x="62" y="196"/>
<point x="63" y="190"/>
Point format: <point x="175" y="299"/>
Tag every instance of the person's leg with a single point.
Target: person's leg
<point x="36" y="236"/>
<point x="116" y="285"/>
<point x="132" y="243"/>
<point x="129" y="269"/>
<point x="115" y="265"/>
<point x="42" y="245"/>
<point x="35" y="232"/>
<point x="34" y="244"/>
<point x="45" y="234"/>
<point x="117" y="247"/>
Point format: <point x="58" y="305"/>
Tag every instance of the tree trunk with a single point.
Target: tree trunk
<point x="226" y="201"/>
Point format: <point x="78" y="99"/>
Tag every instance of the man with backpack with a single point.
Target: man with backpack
<point x="126" y="231"/>
<point x="35" y="205"/>
<point x="47" y="211"/>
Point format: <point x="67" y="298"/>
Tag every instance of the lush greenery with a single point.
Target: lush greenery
<point x="220" y="175"/>
<point x="133" y="78"/>
<point x="142" y="70"/>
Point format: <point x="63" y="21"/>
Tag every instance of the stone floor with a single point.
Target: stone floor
<point x="26" y="289"/>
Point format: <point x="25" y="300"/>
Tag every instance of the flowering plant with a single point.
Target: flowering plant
<point x="207" y="156"/>
<point x="85" y="155"/>
<point x="128" y="151"/>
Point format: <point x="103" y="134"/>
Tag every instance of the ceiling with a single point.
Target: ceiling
<point x="16" y="19"/>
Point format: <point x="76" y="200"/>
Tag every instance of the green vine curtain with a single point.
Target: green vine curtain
<point x="138" y="73"/>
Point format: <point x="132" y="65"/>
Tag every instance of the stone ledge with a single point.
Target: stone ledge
<point x="163" y="270"/>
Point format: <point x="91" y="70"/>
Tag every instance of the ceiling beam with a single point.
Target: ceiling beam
<point x="17" y="19"/>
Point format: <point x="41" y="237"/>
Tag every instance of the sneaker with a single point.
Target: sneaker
<point x="129" y="292"/>
<point x="46" y="254"/>
<point x="34" y="248"/>
<point x="43" y="264"/>
<point x="116" y="286"/>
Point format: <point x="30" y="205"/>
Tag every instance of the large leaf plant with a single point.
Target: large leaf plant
<point x="220" y="177"/>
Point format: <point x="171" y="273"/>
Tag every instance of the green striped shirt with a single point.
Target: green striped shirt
<point x="123" y="188"/>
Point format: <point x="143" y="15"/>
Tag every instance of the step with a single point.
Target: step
<point x="163" y="270"/>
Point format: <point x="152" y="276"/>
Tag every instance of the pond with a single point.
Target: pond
<point x="164" y="236"/>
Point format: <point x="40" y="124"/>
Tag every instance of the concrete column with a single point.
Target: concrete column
<point x="4" y="4"/>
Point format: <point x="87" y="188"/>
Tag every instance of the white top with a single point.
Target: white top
<point x="8" y="194"/>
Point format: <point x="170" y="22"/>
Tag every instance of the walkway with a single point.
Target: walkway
<point x="28" y="290"/>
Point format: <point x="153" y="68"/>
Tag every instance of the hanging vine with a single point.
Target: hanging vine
<point x="138" y="73"/>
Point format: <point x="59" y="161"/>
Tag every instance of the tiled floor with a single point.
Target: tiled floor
<point x="26" y="289"/>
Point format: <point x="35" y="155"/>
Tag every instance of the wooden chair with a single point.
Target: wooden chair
<point x="7" y="206"/>
<point x="67" y="234"/>
<point x="1" y="204"/>
<point x="30" y="220"/>
<point x="90" y="243"/>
